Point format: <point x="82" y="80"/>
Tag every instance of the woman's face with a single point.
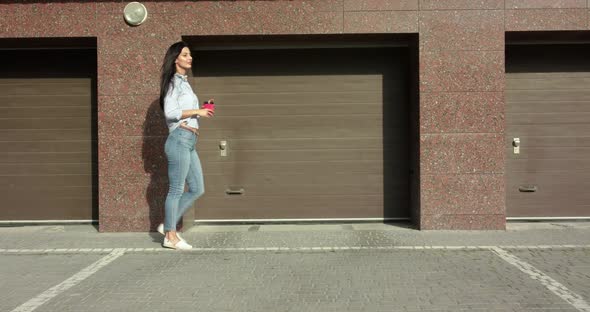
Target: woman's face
<point x="184" y="60"/>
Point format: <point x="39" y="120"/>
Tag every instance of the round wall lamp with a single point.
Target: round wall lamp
<point x="135" y="13"/>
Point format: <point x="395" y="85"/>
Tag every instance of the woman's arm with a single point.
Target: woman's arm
<point x="173" y="112"/>
<point x="204" y="112"/>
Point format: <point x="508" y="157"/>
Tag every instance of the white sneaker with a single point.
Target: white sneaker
<point x="179" y="245"/>
<point x="180" y="237"/>
<point x="160" y="230"/>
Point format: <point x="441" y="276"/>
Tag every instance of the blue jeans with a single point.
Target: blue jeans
<point x="183" y="165"/>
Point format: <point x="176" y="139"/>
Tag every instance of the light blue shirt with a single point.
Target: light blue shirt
<point x="180" y="98"/>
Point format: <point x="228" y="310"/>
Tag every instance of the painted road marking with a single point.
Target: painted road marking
<point x="69" y="283"/>
<point x="556" y="287"/>
<point x="314" y="248"/>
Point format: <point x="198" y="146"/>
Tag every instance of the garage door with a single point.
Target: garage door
<point x="310" y="133"/>
<point x="548" y="110"/>
<point x="46" y="146"/>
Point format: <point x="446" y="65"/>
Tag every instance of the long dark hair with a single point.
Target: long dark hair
<point x="169" y="69"/>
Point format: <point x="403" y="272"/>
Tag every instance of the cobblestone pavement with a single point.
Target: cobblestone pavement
<point x="297" y="268"/>
<point x="571" y="267"/>
<point x="25" y="276"/>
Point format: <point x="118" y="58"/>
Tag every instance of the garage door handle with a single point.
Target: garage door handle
<point x="235" y="191"/>
<point x="527" y="188"/>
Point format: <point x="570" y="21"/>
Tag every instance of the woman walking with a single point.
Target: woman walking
<point x="181" y="109"/>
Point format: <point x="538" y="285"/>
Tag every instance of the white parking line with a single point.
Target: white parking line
<point x="556" y="287"/>
<point x="70" y="282"/>
<point x="283" y="248"/>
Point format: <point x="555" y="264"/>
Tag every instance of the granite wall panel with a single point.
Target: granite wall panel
<point x="462" y="112"/>
<point x="463" y="222"/>
<point x="128" y="73"/>
<point x="462" y="30"/>
<point x="461" y="4"/>
<point x="546" y="20"/>
<point x="201" y="8"/>
<point x="10" y="25"/>
<point x="116" y="37"/>
<point x="381" y="22"/>
<point x="546" y="4"/>
<point x="463" y="194"/>
<point x="380" y="5"/>
<point x="453" y="71"/>
<point x="131" y="115"/>
<point x="461" y="153"/>
<point x="56" y="19"/>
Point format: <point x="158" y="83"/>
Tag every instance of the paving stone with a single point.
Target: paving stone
<point x="25" y="276"/>
<point x="429" y="280"/>
<point x="570" y="267"/>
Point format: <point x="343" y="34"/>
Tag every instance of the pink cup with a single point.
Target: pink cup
<point x="210" y="106"/>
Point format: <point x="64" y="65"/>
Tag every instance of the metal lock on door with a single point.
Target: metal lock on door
<point x="223" y="148"/>
<point x="516" y="145"/>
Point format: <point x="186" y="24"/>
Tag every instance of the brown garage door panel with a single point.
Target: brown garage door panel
<point x="294" y="143"/>
<point x="558" y="153"/>
<point x="43" y="169"/>
<point x="38" y="88"/>
<point x="44" y="158"/>
<point x="255" y="167"/>
<point x="539" y="200"/>
<point x="317" y="207"/>
<point x="341" y="99"/>
<point x="47" y="150"/>
<point x="546" y="96"/>
<point x="297" y="132"/>
<point x="217" y="188"/>
<point x="43" y="191"/>
<point x="555" y="211"/>
<point x="44" y="102"/>
<point x="564" y="107"/>
<point x="47" y="135"/>
<point x="39" y="181"/>
<point x="548" y="165"/>
<point x="548" y="109"/>
<point x="297" y="155"/>
<point x="46" y="147"/>
<point x="67" y="208"/>
<point x="303" y="182"/>
<point x="45" y="123"/>
<point x="554" y="141"/>
<point x="366" y="126"/>
<point x="53" y="112"/>
<point x="290" y="180"/>
<point x="550" y="118"/>
<point x="305" y="133"/>
<point x="541" y="83"/>
<point x="307" y="109"/>
<point x="548" y="130"/>
<point x="295" y="84"/>
<point x="558" y="182"/>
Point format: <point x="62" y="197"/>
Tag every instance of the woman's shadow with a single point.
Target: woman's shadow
<point x="155" y="165"/>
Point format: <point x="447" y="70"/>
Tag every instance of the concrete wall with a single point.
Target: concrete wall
<point x="461" y="83"/>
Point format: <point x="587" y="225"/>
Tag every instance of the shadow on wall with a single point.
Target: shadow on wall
<point x="155" y="133"/>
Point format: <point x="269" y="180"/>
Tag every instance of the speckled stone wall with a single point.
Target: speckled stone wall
<point x="461" y="72"/>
